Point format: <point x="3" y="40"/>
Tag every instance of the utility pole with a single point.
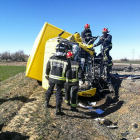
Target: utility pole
<point x="133" y="52"/>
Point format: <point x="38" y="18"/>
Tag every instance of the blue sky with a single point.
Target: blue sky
<point x="21" y="21"/>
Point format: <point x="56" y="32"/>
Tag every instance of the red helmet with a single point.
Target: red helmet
<point x="70" y="54"/>
<point x="87" y="26"/>
<point x="105" y="30"/>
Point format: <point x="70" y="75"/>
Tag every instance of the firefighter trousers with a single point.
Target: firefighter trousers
<point x="58" y="95"/>
<point x="71" y="90"/>
<point x="106" y="52"/>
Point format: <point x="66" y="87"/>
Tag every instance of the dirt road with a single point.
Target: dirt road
<point x="23" y="116"/>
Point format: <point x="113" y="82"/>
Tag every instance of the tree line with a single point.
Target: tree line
<point x="18" y="56"/>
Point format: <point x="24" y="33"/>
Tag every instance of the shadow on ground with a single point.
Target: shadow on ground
<point x="111" y="103"/>
<point x="20" y="98"/>
<point x="12" y="136"/>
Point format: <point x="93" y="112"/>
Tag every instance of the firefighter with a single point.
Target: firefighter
<point x="106" y="41"/>
<point x="88" y="39"/>
<point x="56" y="70"/>
<point x="71" y="86"/>
<point x="86" y="34"/>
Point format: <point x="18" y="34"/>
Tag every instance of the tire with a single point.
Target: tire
<point x="39" y="83"/>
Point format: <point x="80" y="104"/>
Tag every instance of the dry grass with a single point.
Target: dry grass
<point x="24" y="117"/>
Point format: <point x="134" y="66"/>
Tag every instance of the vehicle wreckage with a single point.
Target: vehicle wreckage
<point x="96" y="72"/>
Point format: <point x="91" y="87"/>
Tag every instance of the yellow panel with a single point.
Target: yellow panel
<point x="35" y="62"/>
<point x="87" y="93"/>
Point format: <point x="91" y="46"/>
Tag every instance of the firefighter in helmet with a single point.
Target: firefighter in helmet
<point x="56" y="70"/>
<point x="86" y="34"/>
<point x="71" y="86"/>
<point x="106" y="41"/>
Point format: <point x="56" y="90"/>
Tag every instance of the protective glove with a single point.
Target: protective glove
<point x="90" y="46"/>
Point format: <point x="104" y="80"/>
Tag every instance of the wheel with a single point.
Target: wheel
<point x="39" y="83"/>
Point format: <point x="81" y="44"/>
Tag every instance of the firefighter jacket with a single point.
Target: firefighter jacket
<point x="86" y="33"/>
<point x="76" y="72"/>
<point x="106" y="40"/>
<point x="56" y="69"/>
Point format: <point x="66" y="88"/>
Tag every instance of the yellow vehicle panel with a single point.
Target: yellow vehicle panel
<point x="49" y="51"/>
<point x="34" y="67"/>
<point x="87" y="93"/>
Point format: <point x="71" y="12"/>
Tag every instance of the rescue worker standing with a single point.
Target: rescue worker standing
<point x="56" y="70"/>
<point x="106" y="41"/>
<point x="87" y="37"/>
<point x="86" y="34"/>
<point x="71" y="86"/>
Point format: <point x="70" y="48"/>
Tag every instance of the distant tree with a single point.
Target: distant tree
<point x="18" y="56"/>
<point x="124" y="59"/>
<point x="5" y="56"/>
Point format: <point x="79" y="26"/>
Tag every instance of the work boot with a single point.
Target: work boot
<point x="46" y="104"/>
<point x="73" y="109"/>
<point x="58" y="110"/>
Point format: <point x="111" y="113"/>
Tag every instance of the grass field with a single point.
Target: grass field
<point x="10" y="71"/>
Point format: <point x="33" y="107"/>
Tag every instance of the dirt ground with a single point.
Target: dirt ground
<point x="23" y="115"/>
<point x="13" y="63"/>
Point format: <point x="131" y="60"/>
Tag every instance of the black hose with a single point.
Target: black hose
<point x="61" y="33"/>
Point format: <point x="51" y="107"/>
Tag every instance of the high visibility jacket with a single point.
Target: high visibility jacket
<point x="76" y="72"/>
<point x="105" y="41"/>
<point x="85" y="34"/>
<point x="56" y="69"/>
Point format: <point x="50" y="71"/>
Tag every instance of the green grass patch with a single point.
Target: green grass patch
<point x="10" y="71"/>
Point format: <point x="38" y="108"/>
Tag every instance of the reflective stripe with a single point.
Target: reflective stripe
<point x="73" y="80"/>
<point x="59" y="61"/>
<point x="74" y="105"/>
<point x="67" y="80"/>
<point x="87" y="33"/>
<point x="57" y="77"/>
<point x="51" y="65"/>
<point x="47" y="75"/>
<point x="105" y="58"/>
<point x="64" y="69"/>
<point x="110" y="64"/>
<point x="75" y="66"/>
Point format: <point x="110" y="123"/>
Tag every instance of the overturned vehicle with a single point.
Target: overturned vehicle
<point x="96" y="71"/>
